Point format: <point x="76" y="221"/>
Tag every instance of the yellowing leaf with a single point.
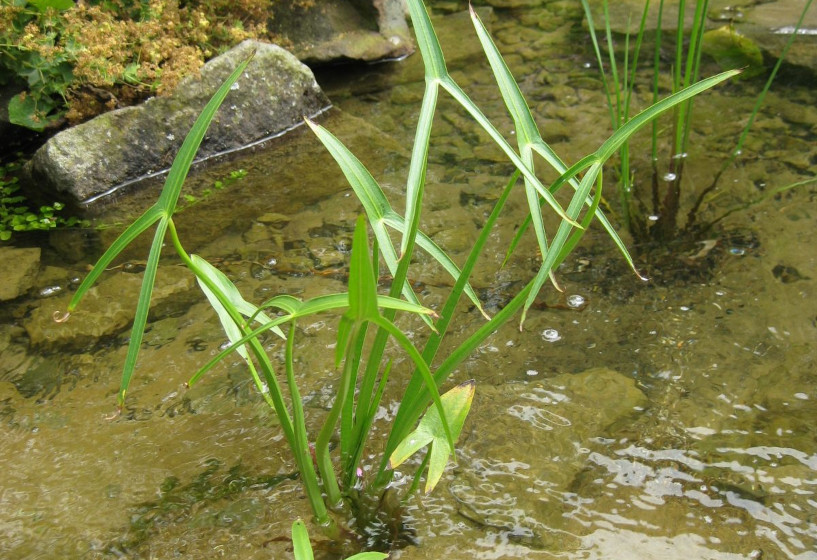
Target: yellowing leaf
<point x="456" y="404"/>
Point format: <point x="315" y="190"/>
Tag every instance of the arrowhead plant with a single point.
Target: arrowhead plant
<point x="429" y="415"/>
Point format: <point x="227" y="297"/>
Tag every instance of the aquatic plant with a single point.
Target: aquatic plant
<point x="656" y="213"/>
<point x="426" y="417"/>
<point x="16" y="214"/>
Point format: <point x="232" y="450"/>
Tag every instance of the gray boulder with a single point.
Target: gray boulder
<point x="345" y="30"/>
<point x="85" y="163"/>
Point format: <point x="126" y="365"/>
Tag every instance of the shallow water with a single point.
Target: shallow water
<point x="669" y="419"/>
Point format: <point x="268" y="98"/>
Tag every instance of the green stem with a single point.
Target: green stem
<point x="416" y="394"/>
<point x="322" y="457"/>
<point x="693" y="213"/>
<point x="301" y="448"/>
<point x="295" y="441"/>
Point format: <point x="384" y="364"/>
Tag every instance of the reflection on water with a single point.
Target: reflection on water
<point x="673" y="419"/>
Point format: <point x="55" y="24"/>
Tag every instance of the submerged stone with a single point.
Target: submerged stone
<point x="86" y="163"/>
<point x="20" y="277"/>
<point x="107" y="309"/>
<point x="768" y="24"/>
<point x="346" y="29"/>
<point x="532" y="439"/>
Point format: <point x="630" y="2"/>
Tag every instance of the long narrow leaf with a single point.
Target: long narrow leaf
<point x="415" y="184"/>
<point x="526" y="129"/>
<point x="462" y="98"/>
<point x="416" y="398"/>
<point x="132" y="232"/>
<point x="234" y="299"/>
<point x="162" y="212"/>
<point x="436" y="72"/>
<point x="612" y="144"/>
<point x="142" y="309"/>
<point x="370" y="195"/>
<point x="184" y="158"/>
<point x="430" y="50"/>
<point x="562" y="234"/>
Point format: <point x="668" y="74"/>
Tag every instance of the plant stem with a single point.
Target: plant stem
<point x="301" y="448"/>
<point x="692" y="215"/>
<point x="322" y="456"/>
<point x="296" y="441"/>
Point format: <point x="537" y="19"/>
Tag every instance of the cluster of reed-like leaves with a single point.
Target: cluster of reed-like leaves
<point x="654" y="213"/>
<point x="426" y="418"/>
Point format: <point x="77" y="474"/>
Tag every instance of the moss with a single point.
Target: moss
<point x="91" y="57"/>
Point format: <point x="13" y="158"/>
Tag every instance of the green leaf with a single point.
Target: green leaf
<point x="427" y="41"/>
<point x="431" y="430"/>
<point x="142" y="309"/>
<point x="162" y="212"/>
<point x="30" y="112"/>
<point x="184" y="158"/>
<point x="58" y="5"/>
<point x="234" y="297"/>
<point x="302" y="548"/>
<point x="371" y="197"/>
<point x="612" y="144"/>
<point x="529" y="138"/>
<point x="362" y="284"/>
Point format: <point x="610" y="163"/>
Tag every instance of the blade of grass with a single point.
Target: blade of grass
<point x="142" y="309"/>
<point x="526" y="128"/>
<point x="415" y="397"/>
<point x="150" y="217"/>
<point x="161" y="212"/>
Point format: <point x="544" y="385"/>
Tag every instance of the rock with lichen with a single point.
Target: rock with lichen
<point x="85" y="163"/>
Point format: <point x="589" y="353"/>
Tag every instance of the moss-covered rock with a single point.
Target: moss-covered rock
<point x="85" y="163"/>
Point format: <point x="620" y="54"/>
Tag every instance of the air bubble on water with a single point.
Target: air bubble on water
<point x="670" y="177"/>
<point x="50" y="291"/>
<point x="653" y="217"/>
<point x="587" y="65"/>
<point x="575" y="301"/>
<point x="532" y="372"/>
<point x="737" y="251"/>
<point x="272" y="262"/>
<point x="234" y="87"/>
<point x="551" y="335"/>
<point x="682" y="155"/>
